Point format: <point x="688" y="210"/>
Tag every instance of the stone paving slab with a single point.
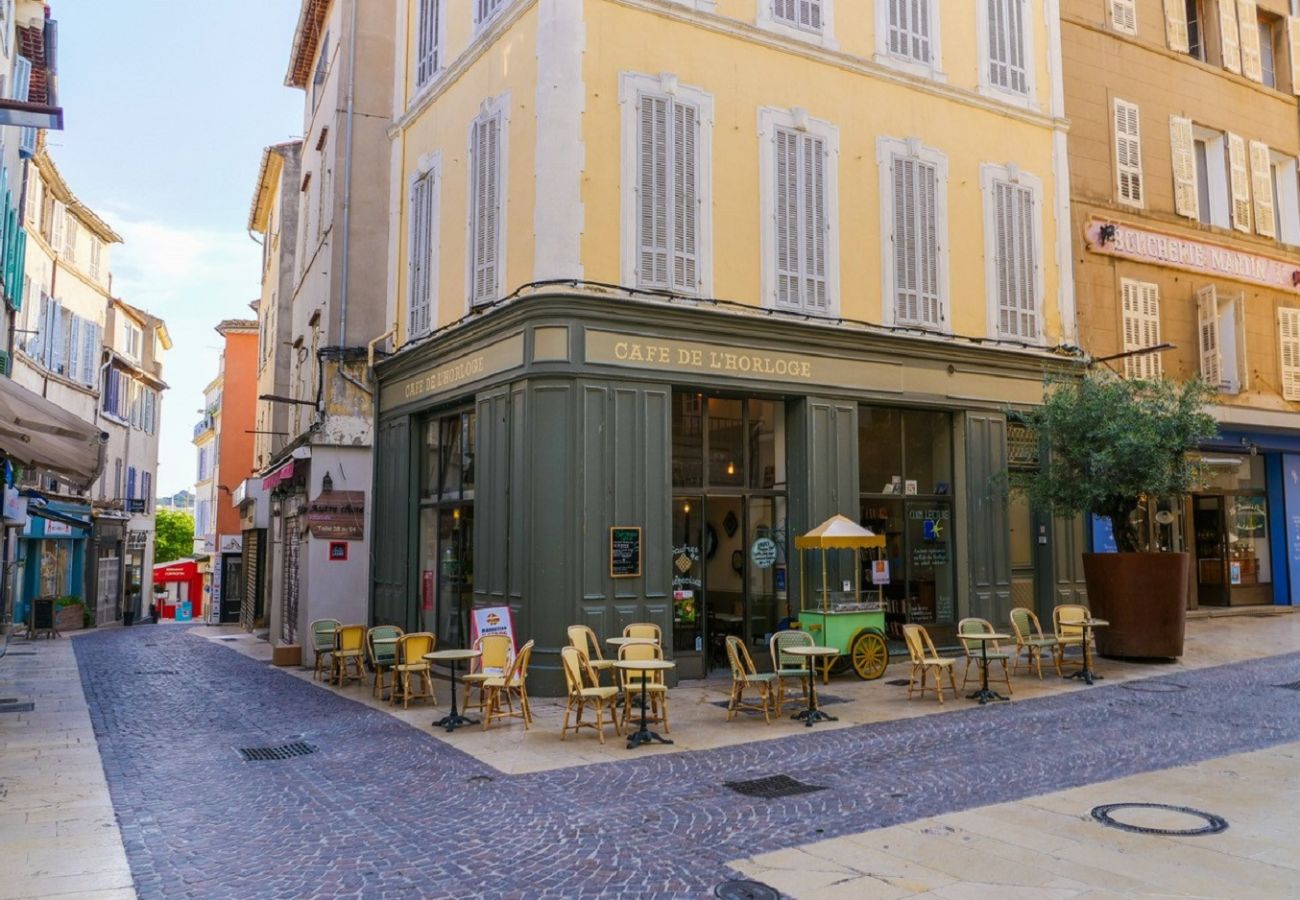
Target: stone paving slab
<point x="384" y="809"/>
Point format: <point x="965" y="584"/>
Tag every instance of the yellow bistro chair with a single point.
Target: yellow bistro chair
<point x="349" y="653"/>
<point x="655" y="689"/>
<point x="924" y="660"/>
<point x="974" y="651"/>
<point x="513" y="683"/>
<point x="382" y="657"/>
<point x="745" y="676"/>
<point x="410" y="661"/>
<point x="585" y="690"/>
<point x="323" y="632"/>
<point x="1031" y="642"/>
<point x="1069" y="633"/>
<point x="644" y="630"/>
<point x="584" y="639"/>
<point x="498" y="651"/>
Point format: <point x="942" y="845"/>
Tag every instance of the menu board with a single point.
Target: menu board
<point x="625" y="552"/>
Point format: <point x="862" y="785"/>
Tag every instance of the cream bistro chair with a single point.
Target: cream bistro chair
<point x="585" y="690"/>
<point x="322" y="644"/>
<point x="382" y="657"/>
<point x="787" y="665"/>
<point x="975" y="652"/>
<point x="644" y="630"/>
<point x="584" y="639"/>
<point x="1069" y="633"/>
<point x="498" y="652"/>
<point x="924" y="660"/>
<point x="655" y="689"/>
<point x="1031" y="642"/>
<point x="745" y="676"/>
<point x="514" y="683"/>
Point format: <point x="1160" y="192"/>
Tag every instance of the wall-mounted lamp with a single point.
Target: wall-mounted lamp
<point x="1295" y="278"/>
<point x="326" y="483"/>
<point x="1107" y="234"/>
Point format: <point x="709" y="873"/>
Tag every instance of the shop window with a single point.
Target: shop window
<point x="56" y="568"/>
<point x="688" y="440"/>
<point x="743" y="442"/>
<point x="448" y="459"/>
<point x="1221" y="329"/>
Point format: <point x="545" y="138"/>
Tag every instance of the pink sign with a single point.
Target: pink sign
<point x="1117" y="239"/>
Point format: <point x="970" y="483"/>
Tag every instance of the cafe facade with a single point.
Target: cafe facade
<point x="595" y="458"/>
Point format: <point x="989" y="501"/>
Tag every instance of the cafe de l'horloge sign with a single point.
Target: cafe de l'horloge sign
<point x="1215" y="260"/>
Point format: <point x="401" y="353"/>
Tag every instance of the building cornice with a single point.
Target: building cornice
<point x="57" y="186"/>
<point x="306" y="37"/>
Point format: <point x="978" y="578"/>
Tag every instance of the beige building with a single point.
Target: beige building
<point x="1184" y="141"/>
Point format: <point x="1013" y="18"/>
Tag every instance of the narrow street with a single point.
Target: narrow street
<point x="384" y="809"/>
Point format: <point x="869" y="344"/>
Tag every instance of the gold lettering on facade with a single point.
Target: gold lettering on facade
<point x="498" y="357"/>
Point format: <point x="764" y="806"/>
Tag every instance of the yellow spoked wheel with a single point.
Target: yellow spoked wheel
<point x="869" y="655"/>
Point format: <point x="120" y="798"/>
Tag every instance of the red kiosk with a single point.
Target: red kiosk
<point x="177" y="583"/>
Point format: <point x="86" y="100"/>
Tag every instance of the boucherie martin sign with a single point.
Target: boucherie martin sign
<point x="339" y="515"/>
<point x="1158" y="248"/>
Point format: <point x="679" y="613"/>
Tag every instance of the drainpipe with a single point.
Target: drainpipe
<point x="347" y="175"/>
<point x="370" y="347"/>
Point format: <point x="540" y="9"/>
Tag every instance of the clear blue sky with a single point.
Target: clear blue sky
<point x="167" y="108"/>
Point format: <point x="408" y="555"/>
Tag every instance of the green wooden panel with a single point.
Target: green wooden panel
<point x="987" y="524"/>
<point x="394" y="598"/>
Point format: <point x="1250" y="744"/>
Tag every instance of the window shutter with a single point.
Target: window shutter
<point x="22" y="88"/>
<point x="1293" y="41"/>
<point x="1261" y="178"/>
<point x="815" y="223"/>
<point x="486" y="206"/>
<point x="1248" y="25"/>
<point x="1006" y="36"/>
<point x="909" y="29"/>
<point x="58" y="338"/>
<point x="427" y="49"/>
<point x="787" y="217"/>
<point x="1128" y="153"/>
<point x="1242" y="375"/>
<point x="146" y="490"/>
<point x="652" y="192"/>
<point x="1182" y="143"/>
<point x="421" y="250"/>
<point x="1014" y="260"/>
<point x="76" y="348"/>
<point x="56" y="228"/>
<point x="130" y="482"/>
<point x="1288" y="330"/>
<point x="1123" y="16"/>
<point x="1207" y="329"/>
<point x="1176" y="25"/>
<point x="1240" y="181"/>
<point x="685" y="198"/>
<point x="1141" y="321"/>
<point x="916" y="247"/>
<point x="1229" y="45"/>
<point x="89" y="353"/>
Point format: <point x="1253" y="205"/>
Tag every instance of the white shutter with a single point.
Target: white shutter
<point x="806" y="14"/>
<point x="668" y="194"/>
<point x="685" y="202"/>
<point x="1288" y="331"/>
<point x="56" y="227"/>
<point x="909" y="29"/>
<point x="652" y="192"/>
<point x="1248" y="25"/>
<point x="1261" y="178"/>
<point x="58" y="337"/>
<point x="1176" y="26"/>
<point x="801" y="221"/>
<point x="1014" y="260"/>
<point x="1182" y="142"/>
<point x="486" y="200"/>
<point x="1239" y="178"/>
<point x="22" y="87"/>
<point x="427" y="42"/>
<point x="786" y="226"/>
<point x="1229" y="46"/>
<point x="1293" y="42"/>
<point x="89" y="353"/>
<point x="1123" y="15"/>
<point x="421" y="250"/>
<point x="916" y="242"/>
<point x="1141" y="321"/>
<point x="1128" y="153"/>
<point x="1207" y="330"/>
<point x="76" y="348"/>
<point x="1006" y="36"/>
<point x="1242" y="375"/>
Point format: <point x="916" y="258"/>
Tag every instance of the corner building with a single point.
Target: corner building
<point x="1184" y="141"/>
<point x="716" y="271"/>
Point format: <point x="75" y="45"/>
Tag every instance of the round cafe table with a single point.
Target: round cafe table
<point x="451" y="657"/>
<point x="644" y="735"/>
<point x="1086" y="674"/>
<point x="984" y="695"/>
<point x="812" y="713"/>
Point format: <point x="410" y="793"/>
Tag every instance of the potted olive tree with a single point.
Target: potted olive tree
<point x="1109" y="444"/>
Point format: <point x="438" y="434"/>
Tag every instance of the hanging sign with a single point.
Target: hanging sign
<point x="338" y="515"/>
<point x="763" y="552"/>
<point x="625" y="552"/>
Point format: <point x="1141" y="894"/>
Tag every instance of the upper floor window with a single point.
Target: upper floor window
<point x="132" y="340"/>
<point x="1221" y="338"/>
<point x="486" y="198"/>
<point x="914" y="193"/>
<point x="1123" y="15"/>
<point x="423" y="248"/>
<point x="485" y="10"/>
<point x="1128" y="154"/>
<point x="1013" y="238"/>
<point x="322" y="68"/>
<point x="802" y="14"/>
<point x="428" y="41"/>
<point x="65" y="343"/>
<point x="1272" y="49"/>
<point x="666" y="136"/>
<point x="908" y="30"/>
<point x="1006" y="44"/>
<point x="1140" y="325"/>
<point x="70" y="239"/>
<point x="96" y="252"/>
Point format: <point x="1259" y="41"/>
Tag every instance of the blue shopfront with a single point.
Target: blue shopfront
<point x="52" y="554"/>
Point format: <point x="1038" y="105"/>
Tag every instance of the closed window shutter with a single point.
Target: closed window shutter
<point x="787" y="218"/>
<point x="130" y="482"/>
<point x="668" y="194"/>
<point x="1141" y="321"/>
<point x="486" y="206"/>
<point x="1128" y="153"/>
<point x="1241" y="377"/>
<point x="1229" y="45"/>
<point x="1239" y="177"/>
<point x="1207" y="328"/>
<point x="146" y="490"/>
<point x="76" y="348"/>
<point x="1006" y="36"/>
<point x="1293" y="41"/>
<point x="1123" y="16"/>
<point x="652" y="192"/>
<point x="1248" y="25"/>
<point x="909" y="29"/>
<point x="1288" y="330"/>
<point x="421" y="256"/>
<point x="814" y="222"/>
<point x="58" y="338"/>
<point x="427" y="49"/>
<point x="685" y="198"/>
<point x="1182" y="142"/>
<point x="22" y="86"/>
<point x="1176" y="26"/>
<point x="801" y="224"/>
<point x="810" y="14"/>
<point x="1014" y="260"/>
<point x="916" y="249"/>
<point x="1261" y="177"/>
<point x="56" y="228"/>
<point x="806" y="14"/>
<point x="89" y="353"/>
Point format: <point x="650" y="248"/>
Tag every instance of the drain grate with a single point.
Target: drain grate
<point x="773" y="787"/>
<point x="20" y="653"/>
<point x="17" y="707"/>
<point x="156" y="672"/>
<point x="1293" y="686"/>
<point x="1213" y="824"/>
<point x="8" y="699"/>
<point x="280" y="751"/>
<point x="1154" y="687"/>
<point x="745" y="890"/>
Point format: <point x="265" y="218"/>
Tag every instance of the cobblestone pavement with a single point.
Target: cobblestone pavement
<point x="385" y="810"/>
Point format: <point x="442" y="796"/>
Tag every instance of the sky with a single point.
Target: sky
<point x="167" y="107"/>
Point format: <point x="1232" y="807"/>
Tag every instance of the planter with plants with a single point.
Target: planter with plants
<point x="1109" y="444"/>
<point x="70" y="614"/>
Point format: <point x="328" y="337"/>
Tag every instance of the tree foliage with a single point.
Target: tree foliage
<point x="173" y="535"/>
<point x="1111" y="442"/>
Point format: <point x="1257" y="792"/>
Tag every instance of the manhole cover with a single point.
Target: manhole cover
<point x="1154" y="687"/>
<point x="773" y="787"/>
<point x="1293" y="686"/>
<point x="898" y="682"/>
<point x="1213" y="824"/>
<point x="280" y="751"/>
<point x="17" y="707"/>
<point x="745" y="890"/>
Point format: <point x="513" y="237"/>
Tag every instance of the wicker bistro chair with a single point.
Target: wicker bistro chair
<point x="925" y="659"/>
<point x="498" y="652"/>
<point x="655" y="689"/>
<point x="410" y="661"/>
<point x="974" y="652"/>
<point x="745" y="676"/>
<point x="584" y="639"/>
<point x="787" y="665"/>
<point x="1068" y="633"/>
<point x="349" y="653"/>
<point x="644" y="630"/>
<point x="322" y="644"/>
<point x="514" y="683"/>
<point x="586" y="691"/>
<point x="382" y="657"/>
<point x="1031" y="642"/>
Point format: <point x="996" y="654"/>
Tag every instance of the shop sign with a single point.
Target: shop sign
<point x="625" y="552"/>
<point x="763" y="552"/>
<point x="137" y="540"/>
<point x="57" y="529"/>
<point x="339" y="515"/>
<point x="497" y="357"/>
<point x="231" y="543"/>
<point x="1157" y="248"/>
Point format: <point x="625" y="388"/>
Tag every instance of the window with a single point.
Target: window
<point x="146" y="491"/>
<point x="807" y="16"/>
<point x="132" y="340"/>
<point x="322" y="68"/>
<point x="913" y="187"/>
<point x="1261" y="177"/>
<point x="799" y="158"/>
<point x="1128" y="154"/>
<point x="1195" y="21"/>
<point x="1286" y="198"/>
<point x="1270" y="51"/>
<point x="1005" y="42"/>
<point x="150" y="411"/>
<point x="1213" y="197"/>
<point x="485" y="10"/>
<point x="429" y="41"/>
<point x="96" y="249"/>
<point x="423" y="249"/>
<point x="1288" y="331"/>
<point x="1141" y="327"/>
<point x="487" y="193"/>
<point x="666" y="184"/>
<point x="908" y="31"/>
<point x="70" y="239"/>
<point x="1123" y="16"/>
<point x="1221" y="339"/>
<point x="1013" y="239"/>
<point x="1239" y="182"/>
<point x="22" y="86"/>
<point x="65" y="343"/>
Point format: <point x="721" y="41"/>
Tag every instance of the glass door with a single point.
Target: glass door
<point x="1211" y="563"/>
<point x="688" y="586"/>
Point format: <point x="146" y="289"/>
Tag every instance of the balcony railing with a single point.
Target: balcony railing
<point x="204" y="424"/>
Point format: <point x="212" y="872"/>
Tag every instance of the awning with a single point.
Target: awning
<point x="36" y="432"/>
<point x="284" y="473"/>
<point x="53" y="515"/>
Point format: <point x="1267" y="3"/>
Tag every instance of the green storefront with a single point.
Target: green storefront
<point x="510" y="446"/>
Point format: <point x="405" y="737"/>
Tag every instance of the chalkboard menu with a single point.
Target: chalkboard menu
<point x="43" y="616"/>
<point x="625" y="552"/>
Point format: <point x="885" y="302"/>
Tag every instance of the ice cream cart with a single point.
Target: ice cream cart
<point x="843" y="619"/>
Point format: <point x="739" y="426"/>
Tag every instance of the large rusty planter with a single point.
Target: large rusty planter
<point x="1144" y="597"/>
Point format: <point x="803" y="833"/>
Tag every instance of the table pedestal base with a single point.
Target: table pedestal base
<point x="453" y="721"/>
<point x="984" y="695"/>
<point x="1087" y="676"/>
<point x="808" y="716"/>
<point x="645" y="736"/>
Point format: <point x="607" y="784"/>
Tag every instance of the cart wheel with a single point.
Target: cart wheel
<point x="870" y="655"/>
